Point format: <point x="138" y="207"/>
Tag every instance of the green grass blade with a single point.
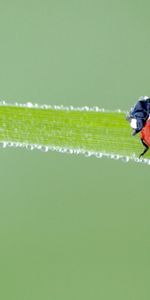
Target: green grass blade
<point x="106" y="133"/>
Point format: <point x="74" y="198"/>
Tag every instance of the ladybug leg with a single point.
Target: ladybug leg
<point x="145" y="150"/>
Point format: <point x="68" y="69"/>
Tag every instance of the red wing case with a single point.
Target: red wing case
<point x="145" y="133"/>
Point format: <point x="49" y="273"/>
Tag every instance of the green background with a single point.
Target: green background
<point x="73" y="227"/>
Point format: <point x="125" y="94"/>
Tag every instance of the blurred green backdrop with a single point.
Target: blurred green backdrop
<point x="73" y="227"/>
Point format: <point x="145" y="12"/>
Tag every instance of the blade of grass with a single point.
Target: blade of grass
<point x="82" y="130"/>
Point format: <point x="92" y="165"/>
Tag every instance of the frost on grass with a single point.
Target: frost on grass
<point x="59" y="107"/>
<point x="77" y="151"/>
<point x="42" y="127"/>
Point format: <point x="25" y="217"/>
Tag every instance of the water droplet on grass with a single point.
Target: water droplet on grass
<point x="29" y="104"/>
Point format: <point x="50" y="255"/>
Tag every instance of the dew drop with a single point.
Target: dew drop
<point x="29" y="104"/>
<point x="44" y="148"/>
<point x="99" y="155"/>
